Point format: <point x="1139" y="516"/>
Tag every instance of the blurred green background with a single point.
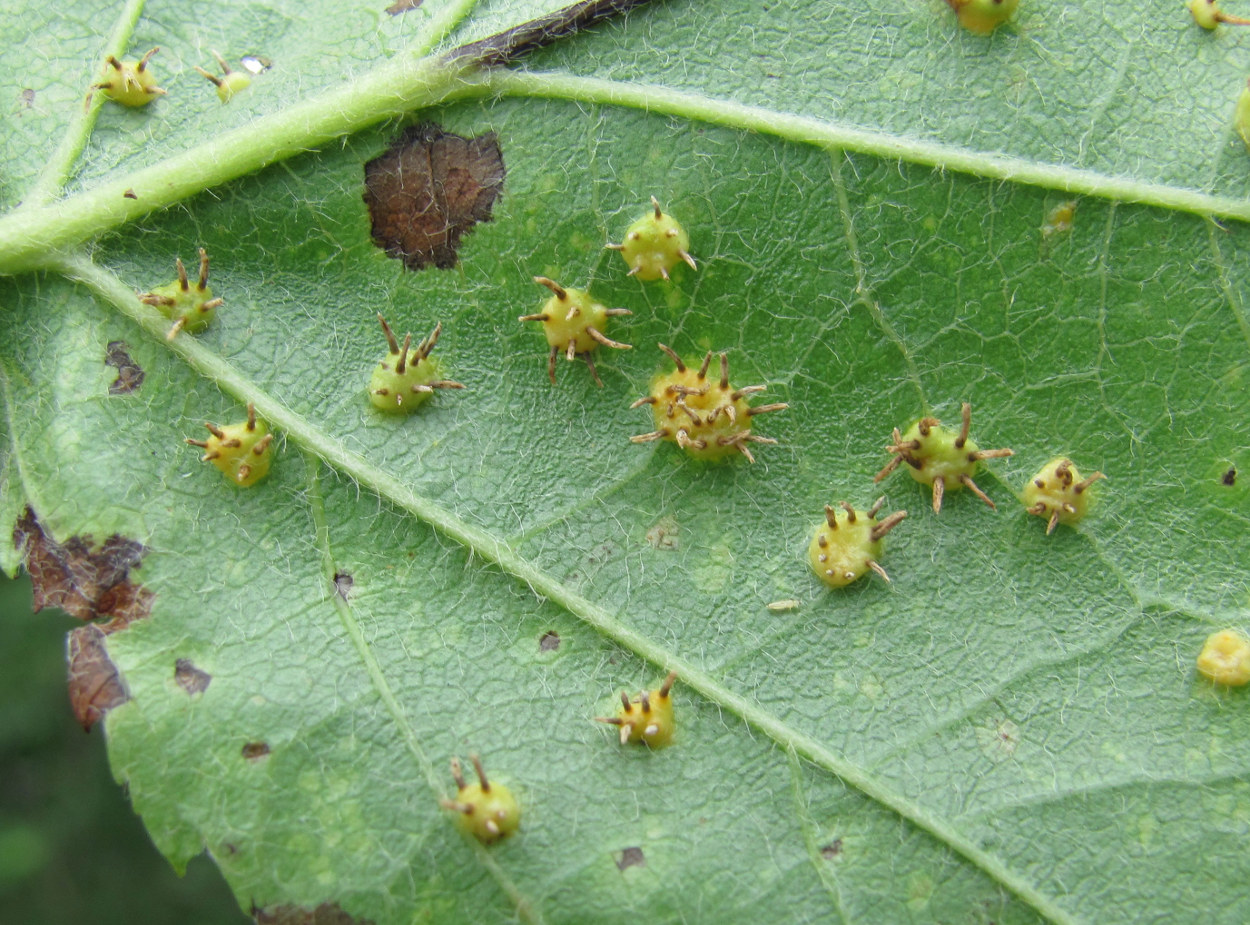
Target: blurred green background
<point x="71" y="848"/>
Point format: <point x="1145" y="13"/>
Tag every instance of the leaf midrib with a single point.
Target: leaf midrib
<point x="404" y="84"/>
<point x="314" y="440"/>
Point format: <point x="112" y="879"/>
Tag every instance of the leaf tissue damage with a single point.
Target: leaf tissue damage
<point x="95" y="684"/>
<point x="325" y="914"/>
<point x="129" y="373"/>
<point x="428" y="190"/>
<point x="86" y="583"/>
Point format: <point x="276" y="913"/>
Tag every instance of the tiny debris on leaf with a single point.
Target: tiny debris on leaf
<point x="631" y="857"/>
<point x="254" y="751"/>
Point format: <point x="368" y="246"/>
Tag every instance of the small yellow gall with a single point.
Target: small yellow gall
<point x="709" y="419"/>
<point x="241" y="451"/>
<point x="937" y="456"/>
<point x="189" y="308"/>
<point x="229" y="83"/>
<point x="1225" y="658"/>
<point x="406" y="376"/>
<point x="648" y="718"/>
<point x="982" y="16"/>
<point x="130" y="83"/>
<point x="574" y="323"/>
<point x="1058" y="493"/>
<point x="655" y="244"/>
<point x="849" y="543"/>
<point x="487" y="811"/>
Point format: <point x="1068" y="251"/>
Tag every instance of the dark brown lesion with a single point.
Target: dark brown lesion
<point x="507" y="46"/>
<point x="191" y="679"/>
<point x="428" y="190"/>
<point x="95" y="684"/>
<point x="86" y="581"/>
<point x="129" y="373"/>
<point x="327" y="913"/>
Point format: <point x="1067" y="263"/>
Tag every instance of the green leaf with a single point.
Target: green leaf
<point x="1010" y="731"/>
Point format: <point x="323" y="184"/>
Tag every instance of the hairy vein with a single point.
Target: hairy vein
<point x="837" y="136"/>
<point x="57" y="171"/>
<point x="493" y="549"/>
<point x="347" y="618"/>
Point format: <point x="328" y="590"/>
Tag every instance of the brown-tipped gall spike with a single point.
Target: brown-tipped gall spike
<point x="672" y="355"/>
<point x="647" y="438"/>
<point x="876" y="567"/>
<point x="881" y="529"/>
<point x="457" y="773"/>
<point x="668" y="684"/>
<point x="707" y="361"/>
<point x="555" y="287"/>
<point x="764" y="409"/>
<point x="831" y="517"/>
<point x="481" y="773"/>
<point x="655" y="203"/>
<point x="972" y="487"/>
<point x="203" y="284"/>
<point x="391" y="342"/>
<point x="966" y="425"/>
<point x="402" y="363"/>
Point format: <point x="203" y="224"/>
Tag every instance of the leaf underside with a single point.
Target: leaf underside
<point x="1011" y="731"/>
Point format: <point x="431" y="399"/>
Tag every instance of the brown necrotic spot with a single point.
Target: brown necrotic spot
<point x="254" y="751"/>
<point x="631" y="857"/>
<point x="428" y="190"/>
<point x="83" y="581"/>
<point x="95" y="685"/>
<point x="831" y="850"/>
<point x="189" y="678"/>
<point x="549" y="642"/>
<point x="343" y="584"/>
<point x="325" y="914"/>
<point x="1230" y="477"/>
<point x="403" y="6"/>
<point x="129" y="373"/>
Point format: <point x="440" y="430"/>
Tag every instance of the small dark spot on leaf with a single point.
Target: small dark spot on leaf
<point x="343" y="584"/>
<point x="1230" y="477"/>
<point x="325" y="914"/>
<point x="129" y="373"/>
<point x="549" y="642"/>
<point x="254" y="751"/>
<point x="95" y="686"/>
<point x="631" y="857"/>
<point x="428" y="190"/>
<point x="189" y="678"/>
<point x="403" y="6"/>
<point x="831" y="850"/>
<point x="82" y="582"/>
<point x="28" y="97"/>
<point x="130" y="194"/>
